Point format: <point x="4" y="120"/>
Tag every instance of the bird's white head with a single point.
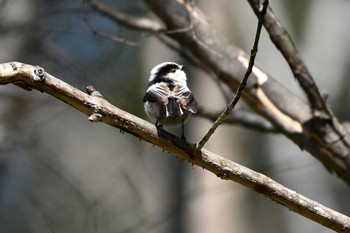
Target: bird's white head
<point x="168" y="71"/>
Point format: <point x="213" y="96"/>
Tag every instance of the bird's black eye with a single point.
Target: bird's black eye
<point x="172" y="70"/>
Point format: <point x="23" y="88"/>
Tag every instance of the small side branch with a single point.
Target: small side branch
<point x="93" y="104"/>
<point x="232" y="104"/>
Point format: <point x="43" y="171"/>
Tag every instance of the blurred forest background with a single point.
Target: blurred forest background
<point x="61" y="173"/>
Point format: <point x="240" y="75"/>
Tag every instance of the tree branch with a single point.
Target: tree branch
<point x="98" y="109"/>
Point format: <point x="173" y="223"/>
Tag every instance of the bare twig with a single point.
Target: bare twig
<point x="232" y="104"/>
<point x="34" y="77"/>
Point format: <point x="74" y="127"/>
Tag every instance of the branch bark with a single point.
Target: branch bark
<point x="98" y="109"/>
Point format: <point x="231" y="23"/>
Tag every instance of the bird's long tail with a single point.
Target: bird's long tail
<point x="173" y="108"/>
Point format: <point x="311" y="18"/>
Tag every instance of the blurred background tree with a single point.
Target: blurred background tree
<point x="60" y="173"/>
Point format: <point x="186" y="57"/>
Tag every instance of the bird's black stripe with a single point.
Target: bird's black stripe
<point x="149" y="97"/>
<point x="162" y="72"/>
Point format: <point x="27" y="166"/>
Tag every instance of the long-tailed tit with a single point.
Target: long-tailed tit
<point x="168" y="100"/>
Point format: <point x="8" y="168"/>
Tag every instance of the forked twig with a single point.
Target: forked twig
<point x="242" y="84"/>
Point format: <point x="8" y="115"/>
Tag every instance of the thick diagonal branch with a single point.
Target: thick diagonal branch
<point x="98" y="109"/>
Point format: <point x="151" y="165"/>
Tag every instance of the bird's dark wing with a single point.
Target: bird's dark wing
<point x="189" y="103"/>
<point x="158" y="92"/>
<point x="186" y="98"/>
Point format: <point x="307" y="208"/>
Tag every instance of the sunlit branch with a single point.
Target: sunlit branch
<point x="98" y="109"/>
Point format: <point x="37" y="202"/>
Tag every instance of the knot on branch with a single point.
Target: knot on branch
<point x="96" y="115"/>
<point x="39" y="74"/>
<point x="224" y="173"/>
<point x="91" y="90"/>
<point x="14" y="65"/>
<point x="96" y="112"/>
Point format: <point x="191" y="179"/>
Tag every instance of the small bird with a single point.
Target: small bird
<point x="168" y="100"/>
